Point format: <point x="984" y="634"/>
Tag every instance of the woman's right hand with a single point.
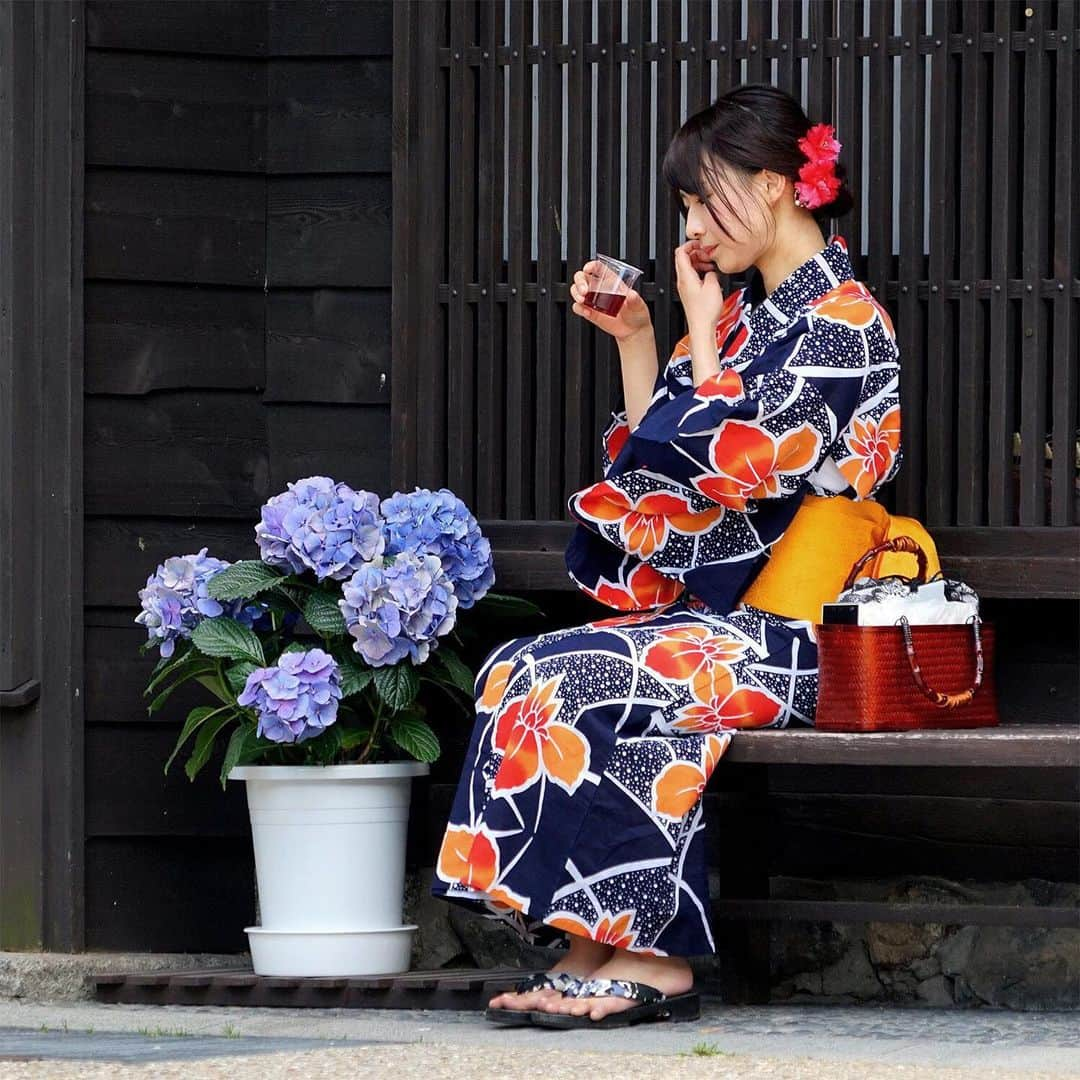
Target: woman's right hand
<point x="633" y="317"/>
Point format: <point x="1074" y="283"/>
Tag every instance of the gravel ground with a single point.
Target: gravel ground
<point x="440" y="1062"/>
<point x="131" y="1042"/>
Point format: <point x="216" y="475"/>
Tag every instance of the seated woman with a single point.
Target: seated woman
<point x="578" y="817"/>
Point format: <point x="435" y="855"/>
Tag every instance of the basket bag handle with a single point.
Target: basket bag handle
<point x="936" y="697"/>
<point x="897" y="543"/>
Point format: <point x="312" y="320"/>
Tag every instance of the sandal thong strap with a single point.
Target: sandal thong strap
<point x="623" y="988"/>
<point x="544" y="980"/>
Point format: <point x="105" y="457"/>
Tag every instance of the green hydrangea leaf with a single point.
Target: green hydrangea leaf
<point x="354" y="677"/>
<point x="323" y="614"/>
<point x="237" y="675"/>
<point x="243" y="580"/>
<point x="227" y="638"/>
<point x="209" y="730"/>
<point x="415" y="737"/>
<point x="194" y="721"/>
<point x="456" y="669"/>
<point x="397" y="685"/>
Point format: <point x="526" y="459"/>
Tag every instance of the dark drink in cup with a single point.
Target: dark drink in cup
<point x="607" y="303"/>
<point x="609" y="285"/>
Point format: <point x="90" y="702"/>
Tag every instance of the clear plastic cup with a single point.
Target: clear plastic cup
<point x="609" y="287"/>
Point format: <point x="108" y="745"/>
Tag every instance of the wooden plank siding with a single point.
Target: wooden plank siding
<point x="239" y="231"/>
<point x="986" y="305"/>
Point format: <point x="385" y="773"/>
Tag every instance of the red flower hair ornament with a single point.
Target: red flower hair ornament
<point x="818" y="183"/>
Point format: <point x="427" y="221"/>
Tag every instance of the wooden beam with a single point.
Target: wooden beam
<point x="996" y="562"/>
<point x="861" y="911"/>
<point x="41" y="233"/>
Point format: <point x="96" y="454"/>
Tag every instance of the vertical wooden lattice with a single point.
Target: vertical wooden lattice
<point x="533" y="134"/>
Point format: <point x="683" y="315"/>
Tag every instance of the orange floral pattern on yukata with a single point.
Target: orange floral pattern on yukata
<point x="495" y="686"/>
<point x="644" y="522"/>
<point x="645" y="588"/>
<point x="616" y="440"/>
<point x="748" y="462"/>
<point x="726" y="385"/>
<point x="853" y="304"/>
<point x="679" y="786"/>
<point x="468" y="857"/>
<point x="873" y="445"/>
<point x="737" y="707"/>
<point x="609" y="929"/>
<point x="534" y="743"/>
<point x="698" y="655"/>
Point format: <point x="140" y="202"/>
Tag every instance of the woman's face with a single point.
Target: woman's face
<point x="744" y="213"/>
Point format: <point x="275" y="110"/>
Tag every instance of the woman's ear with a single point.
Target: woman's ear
<point x="773" y="185"/>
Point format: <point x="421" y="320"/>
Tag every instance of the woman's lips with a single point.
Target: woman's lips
<point x="707" y="251"/>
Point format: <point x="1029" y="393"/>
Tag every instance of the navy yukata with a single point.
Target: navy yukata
<point x="579" y="808"/>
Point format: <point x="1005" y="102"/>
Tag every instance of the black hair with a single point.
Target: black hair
<point x="752" y="127"/>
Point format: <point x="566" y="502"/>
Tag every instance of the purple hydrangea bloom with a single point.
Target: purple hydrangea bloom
<point x="297" y="698"/>
<point x="439" y="523"/>
<point x="397" y="610"/>
<point x="176" y="600"/>
<point x="322" y="526"/>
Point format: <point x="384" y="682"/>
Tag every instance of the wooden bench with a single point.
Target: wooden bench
<point x="1019" y="746"/>
<point x="1039" y="746"/>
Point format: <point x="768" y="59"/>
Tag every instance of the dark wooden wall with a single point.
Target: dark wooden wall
<point x="238" y="233"/>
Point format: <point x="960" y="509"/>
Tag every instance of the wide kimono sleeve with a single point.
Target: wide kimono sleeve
<point x="711" y="477"/>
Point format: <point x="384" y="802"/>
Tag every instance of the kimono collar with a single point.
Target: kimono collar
<point x="824" y="270"/>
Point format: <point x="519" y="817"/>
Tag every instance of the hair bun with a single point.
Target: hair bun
<point x="844" y="202"/>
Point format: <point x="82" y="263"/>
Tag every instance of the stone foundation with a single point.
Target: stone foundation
<point x="1005" y="966"/>
<point x="1010" y="967"/>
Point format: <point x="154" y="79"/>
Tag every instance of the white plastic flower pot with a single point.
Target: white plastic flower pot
<point x="330" y="867"/>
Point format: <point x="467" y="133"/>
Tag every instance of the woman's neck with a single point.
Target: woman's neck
<point x="799" y="240"/>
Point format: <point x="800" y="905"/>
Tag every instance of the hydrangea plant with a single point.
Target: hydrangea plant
<point x="316" y="652"/>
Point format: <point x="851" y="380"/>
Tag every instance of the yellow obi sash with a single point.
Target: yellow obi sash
<point x="809" y="564"/>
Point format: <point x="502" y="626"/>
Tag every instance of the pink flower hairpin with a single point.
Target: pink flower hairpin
<point x="818" y="183"/>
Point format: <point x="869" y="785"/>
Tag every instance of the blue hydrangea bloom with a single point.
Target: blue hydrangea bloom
<point x="439" y="523"/>
<point x="297" y="698"/>
<point x="397" y="610"/>
<point x="322" y="526"/>
<point x="176" y="600"/>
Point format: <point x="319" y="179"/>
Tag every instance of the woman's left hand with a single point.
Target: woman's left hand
<point x="702" y="298"/>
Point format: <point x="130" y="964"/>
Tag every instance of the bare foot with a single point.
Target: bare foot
<point x="669" y="974"/>
<point x="583" y="958"/>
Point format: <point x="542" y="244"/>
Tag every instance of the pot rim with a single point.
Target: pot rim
<point x="274" y="931"/>
<point x="384" y="770"/>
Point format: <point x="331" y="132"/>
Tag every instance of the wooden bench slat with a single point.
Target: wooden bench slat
<point x="1039" y="745"/>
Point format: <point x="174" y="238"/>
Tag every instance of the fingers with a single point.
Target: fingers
<point x="684" y="268"/>
<point x="585" y="312"/>
<point x="581" y="283"/>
